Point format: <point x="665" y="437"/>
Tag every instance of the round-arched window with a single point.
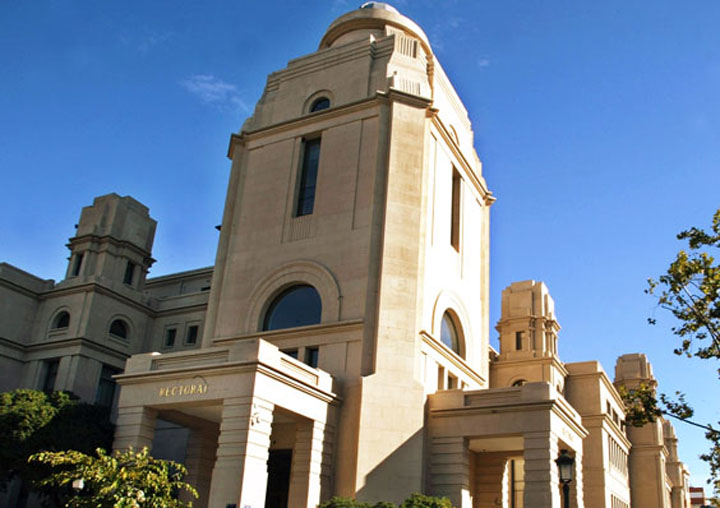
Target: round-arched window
<point x="62" y="320"/>
<point x="449" y="334"/>
<point x="320" y="104"/>
<point x="119" y="328"/>
<point x="519" y="382"/>
<point x="296" y="306"/>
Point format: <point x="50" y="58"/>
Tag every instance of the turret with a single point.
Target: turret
<point x="113" y="243"/>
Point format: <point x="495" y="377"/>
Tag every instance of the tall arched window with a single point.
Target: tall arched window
<point x="119" y="328"/>
<point x="62" y="320"/>
<point x="298" y="305"/>
<point x="449" y="333"/>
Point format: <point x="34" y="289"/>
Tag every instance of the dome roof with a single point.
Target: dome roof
<point x="372" y="16"/>
<point x="379" y="5"/>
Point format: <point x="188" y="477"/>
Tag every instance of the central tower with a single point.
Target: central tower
<point x="355" y="238"/>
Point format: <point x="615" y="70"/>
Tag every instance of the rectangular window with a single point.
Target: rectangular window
<point x="455" y="212"/>
<point x="311" y="356"/>
<point x="192" y="334"/>
<point x="308" y="177"/>
<point x="170" y="335"/>
<point x="51" y="371"/>
<point x="129" y="273"/>
<point x="519" y="340"/>
<point x="106" y="386"/>
<point x="77" y="265"/>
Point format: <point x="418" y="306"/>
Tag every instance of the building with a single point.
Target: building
<point x="340" y="343"/>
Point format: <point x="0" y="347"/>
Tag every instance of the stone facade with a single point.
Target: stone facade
<point x="340" y="343"/>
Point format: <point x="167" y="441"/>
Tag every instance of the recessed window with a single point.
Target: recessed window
<point x="449" y="334"/>
<point x="308" y="177"/>
<point x="519" y="339"/>
<point x="455" y="212"/>
<point x="296" y="306"/>
<point x="50" y="368"/>
<point x="106" y="386"/>
<point x="320" y="104"/>
<point x="129" y="273"/>
<point x="170" y="335"/>
<point x="119" y="328"/>
<point x="62" y="320"/>
<point x="311" y="356"/>
<point x="77" y="265"/>
<point x="192" y="334"/>
<point x="519" y="382"/>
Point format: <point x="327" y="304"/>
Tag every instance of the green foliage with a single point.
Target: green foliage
<point x="414" y="501"/>
<point x="640" y="405"/>
<point x="33" y="421"/>
<point x="126" y="479"/>
<point x="422" y="501"/>
<point x="690" y="290"/>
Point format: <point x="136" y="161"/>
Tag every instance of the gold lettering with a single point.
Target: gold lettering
<point x="183" y="389"/>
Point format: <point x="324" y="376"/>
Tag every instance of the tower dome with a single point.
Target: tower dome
<point x="371" y="18"/>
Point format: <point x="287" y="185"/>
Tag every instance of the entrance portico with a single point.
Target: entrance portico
<point x="239" y="402"/>
<point x="498" y="447"/>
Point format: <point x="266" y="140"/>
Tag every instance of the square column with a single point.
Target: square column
<point x="450" y="470"/>
<point x="240" y="473"/>
<point x="311" y="463"/>
<point x="542" y="482"/>
<point x="135" y="427"/>
<point x="199" y="460"/>
<point x="576" y="487"/>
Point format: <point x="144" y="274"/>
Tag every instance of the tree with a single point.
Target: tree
<point x="33" y="421"/>
<point x="128" y="479"/>
<point x="690" y="290"/>
<point x="415" y="500"/>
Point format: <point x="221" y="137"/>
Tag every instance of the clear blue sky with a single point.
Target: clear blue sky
<point x="598" y="124"/>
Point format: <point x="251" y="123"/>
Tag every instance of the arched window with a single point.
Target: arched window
<point x="519" y="382"/>
<point x="62" y="320"/>
<point x="119" y="328"/>
<point x="296" y="306"/>
<point x="449" y="333"/>
<point x="319" y="104"/>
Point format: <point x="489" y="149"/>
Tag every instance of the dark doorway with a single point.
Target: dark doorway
<point x="278" y="484"/>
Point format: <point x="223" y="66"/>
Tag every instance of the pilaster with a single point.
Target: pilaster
<point x="240" y="474"/>
<point x="450" y="465"/>
<point x="135" y="427"/>
<point x="541" y="475"/>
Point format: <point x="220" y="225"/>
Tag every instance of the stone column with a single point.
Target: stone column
<point x="199" y="460"/>
<point x="576" y="487"/>
<point x="541" y="475"/>
<point x="240" y="473"/>
<point x="450" y="470"/>
<point x="311" y="463"/>
<point x="135" y="427"/>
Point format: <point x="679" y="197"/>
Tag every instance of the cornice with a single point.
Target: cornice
<point x="302" y="331"/>
<point x="452" y="358"/>
<point x="450" y="142"/>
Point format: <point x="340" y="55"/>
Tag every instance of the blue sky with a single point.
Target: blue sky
<point x="598" y="124"/>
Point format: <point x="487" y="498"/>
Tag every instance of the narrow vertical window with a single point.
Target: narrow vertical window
<point x="129" y="273"/>
<point x="105" y="393"/>
<point x="308" y="177"/>
<point x="455" y="212"/>
<point x="77" y="265"/>
<point x="51" y="371"/>
<point x="170" y="335"/>
<point x="192" y="334"/>
<point x="519" y="341"/>
<point x="311" y="356"/>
